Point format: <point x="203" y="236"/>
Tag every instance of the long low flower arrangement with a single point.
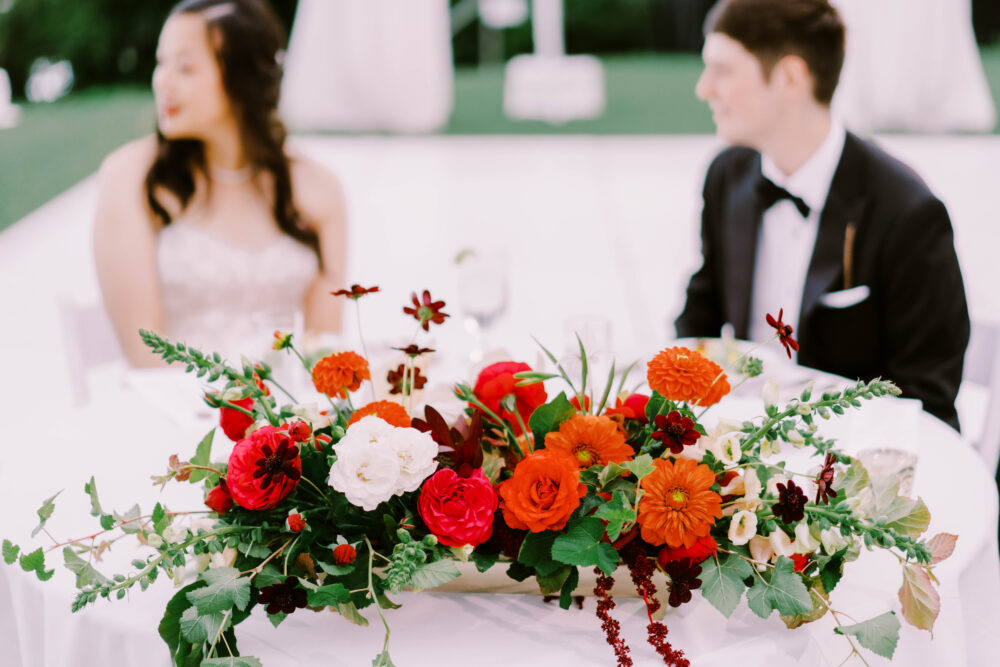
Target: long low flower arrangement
<point x="341" y="508"/>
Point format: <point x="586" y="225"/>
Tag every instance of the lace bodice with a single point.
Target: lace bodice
<point x="219" y="296"/>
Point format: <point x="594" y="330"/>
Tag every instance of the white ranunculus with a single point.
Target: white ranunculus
<point x="743" y="527"/>
<point x="770" y="393"/>
<point x="367" y="475"/>
<point x="415" y="452"/>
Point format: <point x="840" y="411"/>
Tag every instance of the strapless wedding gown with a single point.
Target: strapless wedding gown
<point x="222" y="297"/>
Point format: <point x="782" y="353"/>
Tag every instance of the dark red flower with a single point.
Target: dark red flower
<point x="683" y="579"/>
<point x="344" y="554"/>
<point x="396" y="380"/>
<point x="356" y="292"/>
<point x="675" y="431"/>
<point x="426" y="310"/>
<point x="824" y="490"/>
<point x="299" y="431"/>
<point x="784" y="332"/>
<point x="284" y="597"/>
<point x="413" y="350"/>
<point x="295" y="522"/>
<point x="233" y="422"/>
<point x="458" y="448"/>
<point x="263" y="469"/>
<point x="791" y="503"/>
<point x="496" y="387"/>
<point x="219" y="500"/>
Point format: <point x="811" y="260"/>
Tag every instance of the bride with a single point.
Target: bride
<point x="213" y="228"/>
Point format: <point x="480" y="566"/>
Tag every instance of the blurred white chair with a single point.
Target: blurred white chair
<point x="979" y="397"/>
<point x="90" y="344"/>
<point x="10" y="113"/>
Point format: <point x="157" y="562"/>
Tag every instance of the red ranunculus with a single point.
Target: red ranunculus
<point x="800" y="561"/>
<point x="299" y="431"/>
<point x="496" y="388"/>
<point x="344" y="554"/>
<point x="263" y="469"/>
<point x="233" y="422"/>
<point x="458" y="510"/>
<point x="219" y="500"/>
<point x="633" y="407"/>
<point x="295" y="522"/>
<point x="696" y="553"/>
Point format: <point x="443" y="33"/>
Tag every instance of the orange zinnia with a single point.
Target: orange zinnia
<point x="394" y="413"/>
<point x="339" y="373"/>
<point x="543" y="493"/>
<point x="592" y="440"/>
<point x="678" y="506"/>
<point x="680" y="374"/>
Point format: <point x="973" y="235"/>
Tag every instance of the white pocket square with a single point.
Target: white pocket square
<point x="845" y="298"/>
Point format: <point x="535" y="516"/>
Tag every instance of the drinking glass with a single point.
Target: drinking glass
<point x="482" y="293"/>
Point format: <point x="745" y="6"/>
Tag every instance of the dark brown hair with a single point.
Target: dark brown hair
<point x="248" y="40"/>
<point x="773" y="29"/>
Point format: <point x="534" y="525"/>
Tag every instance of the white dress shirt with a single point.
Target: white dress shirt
<point x="786" y="240"/>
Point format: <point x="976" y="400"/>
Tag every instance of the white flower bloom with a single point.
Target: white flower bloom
<point x="224" y="558"/>
<point x="174" y="533"/>
<point x="743" y="527"/>
<point x="832" y="540"/>
<point x="370" y="430"/>
<point x="735" y="487"/>
<point x="154" y="540"/>
<point x="179" y="576"/>
<point x="781" y="544"/>
<point x="804" y="541"/>
<point x="795" y="438"/>
<point x="770" y="393"/>
<point x="366" y="475"/>
<point x="726" y="448"/>
<point x="760" y="550"/>
<point x="311" y="413"/>
<point x="202" y="561"/>
<point x="415" y="452"/>
<point x="752" y="484"/>
<point x="769" y="448"/>
<point x="803" y="409"/>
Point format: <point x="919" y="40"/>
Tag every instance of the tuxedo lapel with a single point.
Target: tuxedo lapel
<point x="844" y="205"/>
<point x="743" y="217"/>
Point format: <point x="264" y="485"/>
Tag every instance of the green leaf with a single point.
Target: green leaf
<point x="276" y="619"/>
<point x="566" y="594"/>
<point x="10" y="551"/>
<point x="331" y="595"/>
<point x="908" y="517"/>
<point x="35" y="562"/>
<point x="722" y="582"/>
<point x="784" y="592"/>
<point x="86" y="574"/>
<point x="350" y="611"/>
<point x="920" y="600"/>
<point x="831" y="569"/>
<point x="640" y="466"/>
<point x="548" y="417"/>
<point x="552" y="583"/>
<point x="226" y="589"/>
<point x="581" y="545"/>
<point x="618" y="513"/>
<point x="132" y="527"/>
<point x="484" y="561"/>
<point x="90" y="488"/>
<point x="536" y="552"/>
<point x="107" y="521"/>
<point x="170" y="625"/>
<point x="608" y="474"/>
<point x="202" y="457"/>
<point x="336" y="570"/>
<point x="45" y="513"/>
<point x="241" y="661"/>
<point x="199" y="629"/>
<point x="853" y="481"/>
<point x="879" y="634"/>
<point x="655" y="406"/>
<point x="432" y="575"/>
<point x="159" y="514"/>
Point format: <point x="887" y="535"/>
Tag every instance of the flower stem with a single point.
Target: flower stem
<point x="378" y="607"/>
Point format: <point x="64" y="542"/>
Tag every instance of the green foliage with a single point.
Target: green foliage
<point x="226" y="589"/>
<point x="548" y="417"/>
<point x="86" y="574"/>
<point x="722" y="581"/>
<point x="618" y="513"/>
<point x="879" y="634"/>
<point x="35" y="562"/>
<point x="582" y="545"/>
<point x="10" y="551"/>
<point x="781" y="589"/>
<point x="45" y="513"/>
<point x="231" y="662"/>
<point x="566" y="594"/>
<point x="432" y="575"/>
<point x="536" y="552"/>
<point x="331" y="595"/>
<point x="203" y="457"/>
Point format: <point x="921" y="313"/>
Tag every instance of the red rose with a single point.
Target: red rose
<point x="219" y="499"/>
<point x="263" y="469"/>
<point x="697" y="552"/>
<point x="233" y="422"/>
<point x="496" y="388"/>
<point x="633" y="407"/>
<point x="299" y="431"/>
<point x="344" y="554"/>
<point x="458" y="510"/>
<point x="295" y="522"/>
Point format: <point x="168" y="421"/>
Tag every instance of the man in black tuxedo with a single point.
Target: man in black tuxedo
<point x="803" y="216"/>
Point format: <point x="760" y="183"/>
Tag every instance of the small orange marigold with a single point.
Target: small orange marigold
<point x="339" y="373"/>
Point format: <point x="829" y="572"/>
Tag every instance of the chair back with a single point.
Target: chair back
<point x="982" y="371"/>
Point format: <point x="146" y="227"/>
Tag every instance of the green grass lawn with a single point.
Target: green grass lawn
<point x="58" y="144"/>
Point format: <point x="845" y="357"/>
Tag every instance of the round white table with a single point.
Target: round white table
<point x="124" y="437"/>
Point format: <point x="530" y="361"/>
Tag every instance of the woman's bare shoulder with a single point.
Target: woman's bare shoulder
<point x="318" y="193"/>
<point x="130" y="161"/>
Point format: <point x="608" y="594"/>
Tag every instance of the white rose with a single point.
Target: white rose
<point x="743" y="527"/>
<point x="370" y="430"/>
<point x="366" y="475"/>
<point x="174" y="533"/>
<point x="415" y="452"/>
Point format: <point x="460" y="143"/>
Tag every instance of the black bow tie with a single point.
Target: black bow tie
<point x="768" y="194"/>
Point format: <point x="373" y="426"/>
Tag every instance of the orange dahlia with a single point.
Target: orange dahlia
<point x="394" y="413"/>
<point x="680" y="374"/>
<point x="592" y="440"/>
<point x="339" y="373"/>
<point x="543" y="493"/>
<point x="678" y="506"/>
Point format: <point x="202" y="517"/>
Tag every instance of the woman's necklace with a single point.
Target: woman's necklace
<point x="230" y="176"/>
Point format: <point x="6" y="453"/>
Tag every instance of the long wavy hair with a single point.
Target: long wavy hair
<point x="248" y="39"/>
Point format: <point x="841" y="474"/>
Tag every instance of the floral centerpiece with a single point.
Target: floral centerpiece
<point x="342" y="507"/>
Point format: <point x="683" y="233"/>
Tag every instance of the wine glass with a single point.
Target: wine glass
<point x="482" y="293"/>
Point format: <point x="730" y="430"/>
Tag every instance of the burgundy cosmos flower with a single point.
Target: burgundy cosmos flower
<point x="784" y="332"/>
<point x="675" y="431"/>
<point x="356" y="292"/>
<point x="791" y="503"/>
<point x="824" y="490"/>
<point x="413" y="350"/>
<point x="284" y="597"/>
<point x="396" y="380"/>
<point x="426" y="310"/>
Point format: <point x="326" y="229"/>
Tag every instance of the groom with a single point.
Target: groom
<point x="802" y="216"/>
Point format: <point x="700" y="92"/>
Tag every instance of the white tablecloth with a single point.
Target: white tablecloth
<point x="123" y="438"/>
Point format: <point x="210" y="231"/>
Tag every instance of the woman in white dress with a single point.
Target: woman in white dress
<point x="212" y="228"/>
